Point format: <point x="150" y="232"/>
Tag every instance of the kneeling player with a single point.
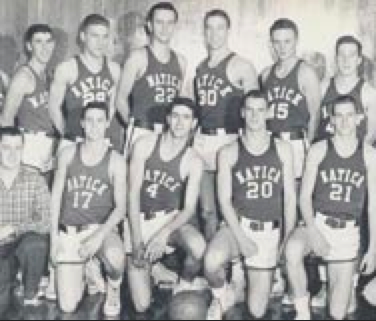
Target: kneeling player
<point x="257" y="194"/>
<point x="165" y="178"/>
<point x="333" y="196"/>
<point x="87" y="205"/>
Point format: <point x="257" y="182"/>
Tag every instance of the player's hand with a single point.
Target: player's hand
<point x="247" y="248"/>
<point x="368" y="265"/>
<point x="157" y="247"/>
<point x="138" y="257"/>
<point x="320" y="245"/>
<point x="91" y="246"/>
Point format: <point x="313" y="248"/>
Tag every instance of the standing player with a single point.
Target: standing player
<point x="153" y="76"/>
<point x="27" y="99"/>
<point x="333" y="197"/>
<point x="87" y="205"/>
<point x="88" y="77"/>
<point x="221" y="81"/>
<point x="4" y="83"/>
<point x="293" y="92"/>
<point x="347" y="82"/>
<point x="164" y="188"/>
<point x="257" y="195"/>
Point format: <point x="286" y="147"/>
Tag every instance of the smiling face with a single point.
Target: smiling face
<point x="162" y="25"/>
<point x="284" y="42"/>
<point x="95" y="40"/>
<point x="95" y="124"/>
<point x="41" y="47"/>
<point x="345" y="119"/>
<point x="216" y="32"/>
<point x="348" y="59"/>
<point x="255" y="114"/>
<point x="181" y="121"/>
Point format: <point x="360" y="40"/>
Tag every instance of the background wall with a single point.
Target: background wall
<point x="320" y="22"/>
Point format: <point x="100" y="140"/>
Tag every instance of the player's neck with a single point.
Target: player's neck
<point x="160" y="50"/>
<point x="347" y="79"/>
<point x="287" y="63"/>
<point x="217" y="55"/>
<point x="346" y="144"/>
<point x="174" y="142"/>
<point x="37" y="66"/>
<point x="94" y="147"/>
<point x="257" y="140"/>
<point x="92" y="61"/>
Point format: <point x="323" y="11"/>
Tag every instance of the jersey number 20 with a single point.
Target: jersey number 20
<point x="260" y="190"/>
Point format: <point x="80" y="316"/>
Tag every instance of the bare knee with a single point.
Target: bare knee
<point x="115" y="259"/>
<point x="196" y="243"/>
<point x="68" y="304"/>
<point x="257" y="308"/>
<point x="295" y="251"/>
<point x="212" y="261"/>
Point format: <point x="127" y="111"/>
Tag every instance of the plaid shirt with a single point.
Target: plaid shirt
<point x="26" y="205"/>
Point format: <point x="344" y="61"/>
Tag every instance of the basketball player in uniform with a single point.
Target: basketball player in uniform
<point x="347" y="82"/>
<point x="153" y="76"/>
<point x="88" y="77"/>
<point x="165" y="178"/>
<point x="257" y="195"/>
<point x="27" y="100"/>
<point x="334" y="189"/>
<point x="220" y="83"/>
<point x="88" y="203"/>
<point x="4" y="83"/>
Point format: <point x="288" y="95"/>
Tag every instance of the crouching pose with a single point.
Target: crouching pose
<point x="332" y="202"/>
<point x="88" y="203"/>
<point x="165" y="178"/>
<point x="256" y="186"/>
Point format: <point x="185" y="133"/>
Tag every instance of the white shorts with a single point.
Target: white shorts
<point x="344" y="243"/>
<point x="300" y="149"/>
<point x="38" y="151"/>
<point x="370" y="292"/>
<point x="208" y="147"/>
<point x="268" y="245"/>
<point x="70" y="243"/>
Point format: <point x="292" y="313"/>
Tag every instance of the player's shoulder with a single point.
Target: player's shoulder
<point x="66" y="154"/>
<point x="241" y="61"/>
<point x="370" y="152"/>
<point x="229" y="153"/>
<point x="114" y="67"/>
<point x="66" y="69"/>
<point x="137" y="56"/>
<point x="193" y="159"/>
<point x="117" y="160"/>
<point x="284" y="148"/>
<point x="306" y="71"/>
<point x="23" y="76"/>
<point x="368" y="90"/>
<point x="265" y="73"/>
<point x="318" y="149"/>
<point x="145" y="144"/>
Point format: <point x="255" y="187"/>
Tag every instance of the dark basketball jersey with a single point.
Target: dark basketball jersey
<point x="288" y="103"/>
<point x="219" y="100"/>
<point x="33" y="114"/>
<point x="2" y="93"/>
<point x="89" y="192"/>
<point x="258" y="184"/>
<point x="90" y="87"/>
<point x="156" y="89"/>
<point x="341" y="184"/>
<point x="325" y="129"/>
<point x="163" y="187"/>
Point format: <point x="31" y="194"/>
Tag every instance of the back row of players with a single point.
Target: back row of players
<point x="255" y="173"/>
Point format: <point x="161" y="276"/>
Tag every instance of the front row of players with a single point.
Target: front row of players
<point x="256" y="188"/>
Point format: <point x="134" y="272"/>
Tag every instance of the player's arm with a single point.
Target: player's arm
<point x="369" y="262"/>
<point x="369" y="99"/>
<point x="249" y="77"/>
<point x="21" y="85"/>
<point x="184" y="90"/>
<point x="290" y="197"/>
<point x="5" y="78"/>
<point x="133" y="69"/>
<point x="115" y="72"/>
<point x="57" y="95"/>
<point x="310" y="86"/>
<point x="264" y="76"/>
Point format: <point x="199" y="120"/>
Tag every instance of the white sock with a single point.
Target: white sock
<point x="302" y="305"/>
<point x="323" y="274"/>
<point x="220" y="294"/>
<point x="115" y="284"/>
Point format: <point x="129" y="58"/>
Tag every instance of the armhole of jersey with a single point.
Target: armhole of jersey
<point x="75" y="155"/>
<point x="148" y="57"/>
<point x="77" y="60"/>
<point x="35" y="76"/>
<point x="111" y="170"/>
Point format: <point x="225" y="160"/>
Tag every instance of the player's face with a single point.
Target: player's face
<point x="163" y="26"/>
<point x="11" y="149"/>
<point x="348" y="59"/>
<point x="216" y="33"/>
<point x="181" y="121"/>
<point x="42" y="47"/>
<point x="96" y="40"/>
<point x="255" y="114"/>
<point x="345" y="119"/>
<point x="95" y="124"/>
<point x="284" y="43"/>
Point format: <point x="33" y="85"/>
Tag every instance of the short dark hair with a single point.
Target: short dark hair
<point x="284" y="23"/>
<point x="94" y="20"/>
<point x="32" y="31"/>
<point x="12" y="132"/>
<point x="183" y="101"/>
<point x="345" y="99"/>
<point x="218" y="13"/>
<point x="254" y="94"/>
<point x="98" y="106"/>
<point x="162" y="6"/>
<point x="349" y="40"/>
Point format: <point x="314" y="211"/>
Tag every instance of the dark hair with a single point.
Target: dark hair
<point x="94" y="20"/>
<point x="284" y="23"/>
<point x="32" y="31"/>
<point x="349" y="40"/>
<point x="344" y="99"/>
<point x="183" y="101"/>
<point x="254" y="94"/>
<point x="98" y="106"/>
<point x="12" y="132"/>
<point x="218" y="13"/>
<point x="162" y="6"/>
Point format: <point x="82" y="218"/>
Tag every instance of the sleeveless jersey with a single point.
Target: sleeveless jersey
<point x="2" y="93"/>
<point x="288" y="103"/>
<point x="258" y="184"/>
<point x="163" y="187"/>
<point x="341" y="184"/>
<point x="325" y="129"/>
<point x="219" y="100"/>
<point x="90" y="87"/>
<point x="33" y="114"/>
<point x="156" y="89"/>
<point x="89" y="192"/>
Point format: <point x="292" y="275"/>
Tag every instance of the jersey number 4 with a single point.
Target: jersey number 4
<point x="82" y="200"/>
<point x="152" y="190"/>
<point x="341" y="193"/>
